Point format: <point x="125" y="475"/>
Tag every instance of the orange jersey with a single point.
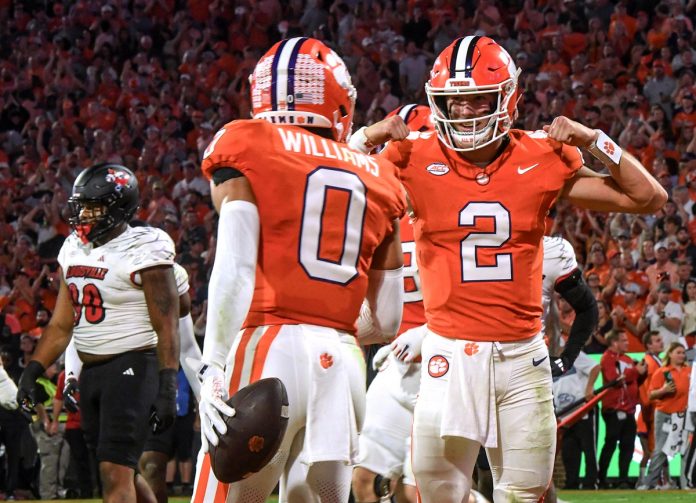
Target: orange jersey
<point x="323" y="210"/>
<point x="478" y="232"/>
<point x="414" y="314"/>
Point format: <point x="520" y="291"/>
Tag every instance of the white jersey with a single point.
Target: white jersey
<point x="111" y="314"/>
<point x="182" y="279"/>
<point x="180" y="276"/>
<point x="559" y="262"/>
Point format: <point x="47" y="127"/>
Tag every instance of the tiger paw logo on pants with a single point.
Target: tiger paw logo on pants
<point x="438" y="366"/>
<point x="471" y="348"/>
<point x="326" y="360"/>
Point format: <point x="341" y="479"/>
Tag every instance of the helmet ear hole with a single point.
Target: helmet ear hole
<point x="343" y="111"/>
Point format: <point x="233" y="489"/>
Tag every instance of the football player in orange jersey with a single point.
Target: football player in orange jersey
<point x="308" y="229"/>
<point x="480" y="192"/>
<point x="384" y="440"/>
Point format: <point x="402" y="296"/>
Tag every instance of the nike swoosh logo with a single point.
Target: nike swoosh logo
<point x="536" y="362"/>
<point x="522" y="171"/>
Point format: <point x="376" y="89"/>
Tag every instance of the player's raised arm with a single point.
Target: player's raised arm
<point x="628" y="188"/>
<point x="230" y="290"/>
<point x="52" y="343"/>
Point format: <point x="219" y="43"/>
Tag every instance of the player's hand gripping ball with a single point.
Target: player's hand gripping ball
<point x="254" y="432"/>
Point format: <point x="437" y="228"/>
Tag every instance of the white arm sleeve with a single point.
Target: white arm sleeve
<point x="189" y="348"/>
<point x="385" y="297"/>
<point x="73" y="364"/>
<point x="232" y="281"/>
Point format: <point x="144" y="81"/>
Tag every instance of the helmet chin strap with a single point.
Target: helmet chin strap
<point x="463" y="140"/>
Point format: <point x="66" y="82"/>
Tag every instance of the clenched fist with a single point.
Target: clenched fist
<point x="391" y="128"/>
<point x="572" y="133"/>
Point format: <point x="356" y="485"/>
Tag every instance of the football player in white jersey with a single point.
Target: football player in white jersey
<point x="158" y="447"/>
<point x="119" y="302"/>
<point x="391" y="397"/>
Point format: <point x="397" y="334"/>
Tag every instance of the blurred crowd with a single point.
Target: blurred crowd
<point x="146" y="83"/>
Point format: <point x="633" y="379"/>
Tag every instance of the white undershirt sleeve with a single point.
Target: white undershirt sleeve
<point x="188" y="348"/>
<point x="73" y="364"/>
<point x="385" y="298"/>
<point x="232" y="281"/>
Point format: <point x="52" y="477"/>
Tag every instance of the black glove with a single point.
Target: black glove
<point x="26" y="389"/>
<point x="69" y="398"/>
<point x="163" y="411"/>
<point x="560" y="365"/>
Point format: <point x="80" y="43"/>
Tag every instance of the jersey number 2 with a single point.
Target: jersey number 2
<point x="332" y="225"/>
<point x="471" y="270"/>
<point x="92" y="304"/>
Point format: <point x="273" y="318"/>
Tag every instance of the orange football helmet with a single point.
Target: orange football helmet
<point x="303" y="82"/>
<point x="473" y="65"/>
<point x="416" y="117"/>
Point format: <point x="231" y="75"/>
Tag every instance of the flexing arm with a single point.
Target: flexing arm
<point x="575" y="291"/>
<point x="629" y="188"/>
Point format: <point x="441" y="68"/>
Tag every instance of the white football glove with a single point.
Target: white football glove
<point x="407" y="346"/>
<point x="8" y="391"/>
<point x="380" y="357"/>
<point x="212" y="405"/>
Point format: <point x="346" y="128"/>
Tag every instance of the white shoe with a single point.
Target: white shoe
<point x="642" y="487"/>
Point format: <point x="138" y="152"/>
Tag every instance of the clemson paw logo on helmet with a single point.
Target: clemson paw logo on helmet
<point x="325" y="360"/>
<point x="438" y="366"/>
<point x="256" y="443"/>
<point x="608" y="148"/>
<point x="471" y="348"/>
<point x="120" y="178"/>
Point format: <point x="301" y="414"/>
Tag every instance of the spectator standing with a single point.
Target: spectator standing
<point x="645" y="423"/>
<point x="689" y="322"/>
<point x="665" y="316"/>
<point x="413" y="70"/>
<point x="619" y="406"/>
<point x="659" y="88"/>
<point x="669" y="388"/>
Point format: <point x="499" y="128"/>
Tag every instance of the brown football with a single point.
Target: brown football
<point x="254" y="433"/>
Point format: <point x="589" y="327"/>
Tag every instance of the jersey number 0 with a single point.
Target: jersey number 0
<point x="333" y="216"/>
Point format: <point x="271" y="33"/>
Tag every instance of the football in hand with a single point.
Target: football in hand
<point x="254" y="433"/>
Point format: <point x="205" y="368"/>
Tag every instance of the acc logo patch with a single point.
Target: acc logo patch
<point x="438" y="366"/>
<point x="437" y="169"/>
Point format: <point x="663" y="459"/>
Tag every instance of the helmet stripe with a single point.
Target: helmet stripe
<point x="291" y="72"/>
<point x="280" y="69"/>
<point x="455" y="52"/>
<point x="470" y="56"/>
<point x="406" y="111"/>
<point x="462" y="56"/>
<point x="274" y="75"/>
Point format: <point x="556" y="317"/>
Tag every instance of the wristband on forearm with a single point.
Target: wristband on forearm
<point x="33" y="371"/>
<point x="359" y="141"/>
<point x="168" y="382"/>
<point x="605" y="149"/>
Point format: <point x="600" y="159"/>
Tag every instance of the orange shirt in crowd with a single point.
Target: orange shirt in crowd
<point x="677" y="401"/>
<point x="653" y="363"/>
